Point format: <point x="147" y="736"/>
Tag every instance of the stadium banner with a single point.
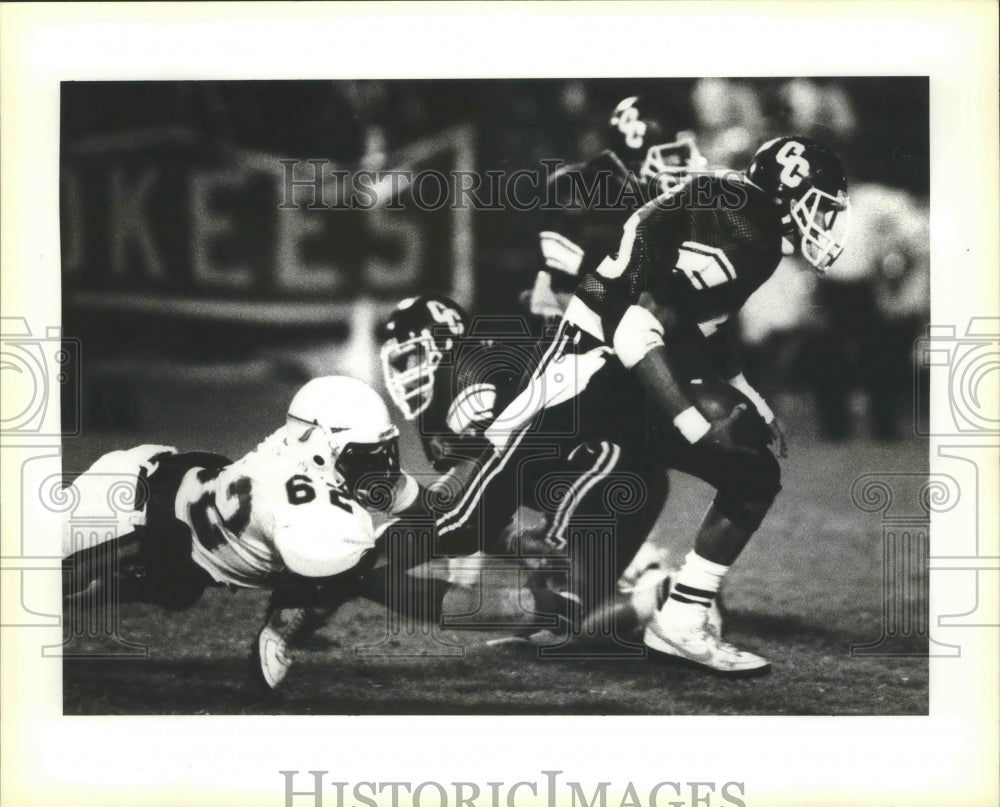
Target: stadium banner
<point x="170" y="223"/>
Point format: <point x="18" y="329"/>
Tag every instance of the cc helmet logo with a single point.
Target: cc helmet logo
<point x="794" y="167"/>
<point x="628" y="123"/>
<point x="446" y="316"/>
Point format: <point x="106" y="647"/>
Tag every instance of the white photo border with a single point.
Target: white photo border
<point x="948" y="757"/>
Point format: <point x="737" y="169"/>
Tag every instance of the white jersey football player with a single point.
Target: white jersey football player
<point x="297" y="506"/>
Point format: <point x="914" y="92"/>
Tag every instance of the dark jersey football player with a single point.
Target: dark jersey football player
<point x="586" y="203"/>
<point x="446" y="379"/>
<point x="656" y="308"/>
<point x="452" y="376"/>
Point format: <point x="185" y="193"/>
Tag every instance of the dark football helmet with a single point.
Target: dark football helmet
<point x="414" y="340"/>
<point x="645" y="142"/>
<point x="808" y="181"/>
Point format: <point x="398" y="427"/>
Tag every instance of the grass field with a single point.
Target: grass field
<point x="807" y="588"/>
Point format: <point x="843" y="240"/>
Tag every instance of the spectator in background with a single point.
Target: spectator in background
<point x="817" y="109"/>
<point x="870" y="308"/>
<point x="730" y="120"/>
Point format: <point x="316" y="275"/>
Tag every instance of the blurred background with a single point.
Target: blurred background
<point x="205" y="281"/>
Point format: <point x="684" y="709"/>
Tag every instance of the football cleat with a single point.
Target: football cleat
<point x="682" y="633"/>
<point x="272" y="657"/>
<point x="284" y="630"/>
<point x="714" y="620"/>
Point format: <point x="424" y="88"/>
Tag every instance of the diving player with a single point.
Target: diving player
<point x="296" y="508"/>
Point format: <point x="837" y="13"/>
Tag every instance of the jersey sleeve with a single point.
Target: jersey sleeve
<point x="320" y="538"/>
<point x="585" y="205"/>
<point x="617" y="282"/>
<point x="561" y="230"/>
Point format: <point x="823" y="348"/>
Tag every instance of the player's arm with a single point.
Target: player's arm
<point x="636" y="333"/>
<point x="561" y="247"/>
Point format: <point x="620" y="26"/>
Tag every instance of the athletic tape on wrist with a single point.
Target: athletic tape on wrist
<point x="692" y="424"/>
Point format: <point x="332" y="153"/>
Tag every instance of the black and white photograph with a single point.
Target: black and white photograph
<point x="478" y="390"/>
<point x="503" y="403"/>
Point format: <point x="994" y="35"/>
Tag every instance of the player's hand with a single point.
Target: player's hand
<point x="525" y="533"/>
<point x="722" y="433"/>
<point x="778" y="439"/>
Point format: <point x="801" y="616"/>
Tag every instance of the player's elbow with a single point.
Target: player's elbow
<point x="637" y="333"/>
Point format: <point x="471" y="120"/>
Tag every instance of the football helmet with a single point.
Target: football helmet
<point x="639" y="136"/>
<point x="414" y="341"/>
<point x="808" y="181"/>
<point x="339" y="427"/>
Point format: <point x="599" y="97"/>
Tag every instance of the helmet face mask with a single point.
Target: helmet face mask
<point x="823" y="223"/>
<point x="408" y="368"/>
<point x="668" y="164"/>
<point x="370" y="470"/>
<point x="415" y="339"/>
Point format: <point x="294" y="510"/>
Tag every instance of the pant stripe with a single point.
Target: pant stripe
<point x="497" y="462"/>
<point x="459" y="514"/>
<point x="606" y="462"/>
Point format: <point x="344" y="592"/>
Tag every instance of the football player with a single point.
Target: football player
<point x="296" y="508"/>
<point x="587" y="203"/>
<point x="449" y="378"/>
<point x="654" y="311"/>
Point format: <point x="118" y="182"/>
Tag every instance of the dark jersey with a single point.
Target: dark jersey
<point x="480" y="378"/>
<point x="701" y="253"/>
<point x="585" y="206"/>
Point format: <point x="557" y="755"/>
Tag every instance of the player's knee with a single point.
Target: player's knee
<point x="768" y="475"/>
<point x="749" y="494"/>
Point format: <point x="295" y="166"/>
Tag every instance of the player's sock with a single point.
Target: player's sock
<point x="696" y="584"/>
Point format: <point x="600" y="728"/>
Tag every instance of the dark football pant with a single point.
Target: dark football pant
<point x="151" y="564"/>
<point x="613" y="407"/>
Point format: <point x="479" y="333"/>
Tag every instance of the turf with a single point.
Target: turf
<point x="809" y="586"/>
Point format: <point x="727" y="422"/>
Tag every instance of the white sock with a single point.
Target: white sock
<point x="698" y="581"/>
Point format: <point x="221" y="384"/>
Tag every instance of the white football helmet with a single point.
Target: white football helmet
<point x="339" y="427"/>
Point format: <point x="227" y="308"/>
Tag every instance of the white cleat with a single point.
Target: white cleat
<point x="714" y="620"/>
<point x="272" y="657"/>
<point x="684" y="632"/>
<point x="650" y="591"/>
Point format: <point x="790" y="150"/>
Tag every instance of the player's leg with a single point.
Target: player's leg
<point x="602" y="532"/>
<point x="746" y="482"/>
<point x="114" y="492"/>
<point x="148" y="558"/>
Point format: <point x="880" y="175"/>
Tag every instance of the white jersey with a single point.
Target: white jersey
<point x="267" y="513"/>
